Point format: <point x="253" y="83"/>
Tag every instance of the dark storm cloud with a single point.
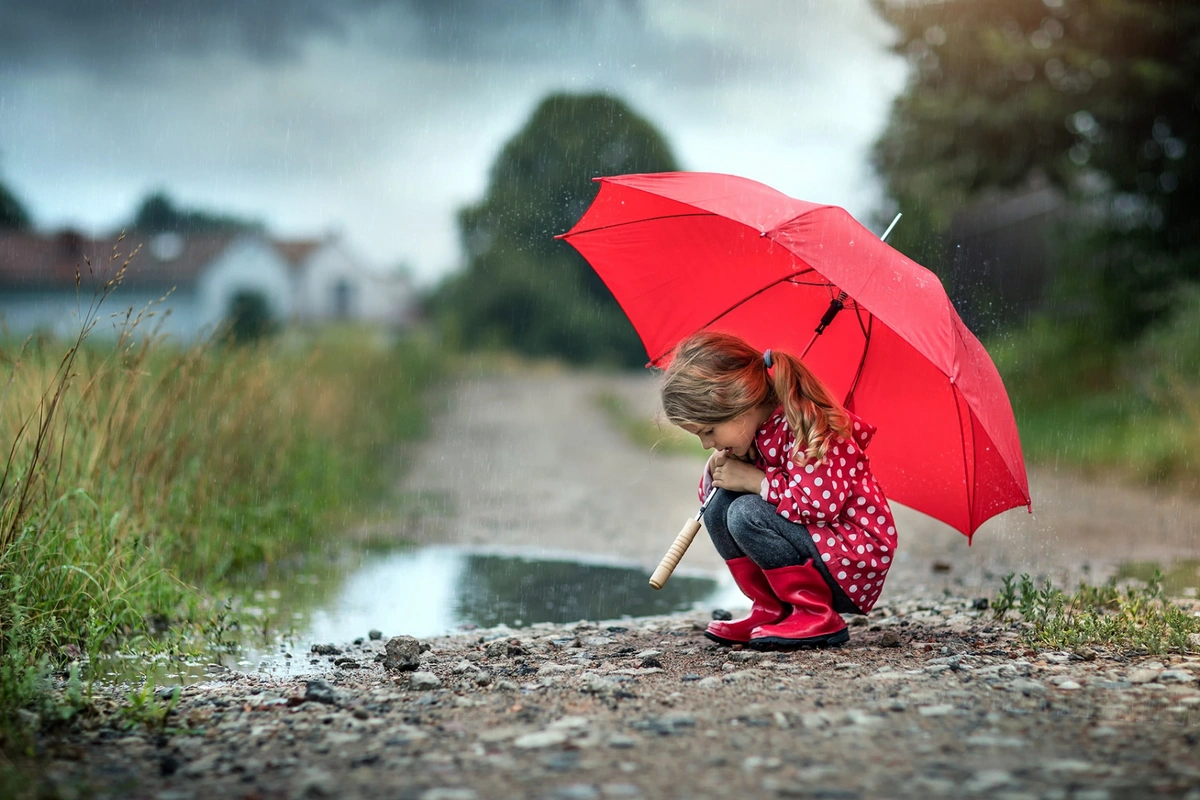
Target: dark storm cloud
<point x="114" y="36"/>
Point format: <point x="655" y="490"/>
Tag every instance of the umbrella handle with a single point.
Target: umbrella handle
<point x="682" y="542"/>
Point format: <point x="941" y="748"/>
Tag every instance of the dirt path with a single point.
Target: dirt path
<point x="530" y="460"/>
<point x="931" y="698"/>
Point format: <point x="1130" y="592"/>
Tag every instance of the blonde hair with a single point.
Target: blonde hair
<point x="715" y="377"/>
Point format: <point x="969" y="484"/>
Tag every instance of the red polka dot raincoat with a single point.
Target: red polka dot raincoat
<point x="838" y="500"/>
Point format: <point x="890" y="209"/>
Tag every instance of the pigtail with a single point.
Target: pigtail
<point x="813" y="413"/>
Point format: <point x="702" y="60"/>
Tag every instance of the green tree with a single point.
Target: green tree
<point x="1097" y="96"/>
<point x="158" y="213"/>
<point x="12" y="213"/>
<point x="521" y="288"/>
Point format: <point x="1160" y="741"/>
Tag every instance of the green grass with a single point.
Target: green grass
<point x="138" y="476"/>
<point x="1130" y="410"/>
<point x="1136" y="618"/>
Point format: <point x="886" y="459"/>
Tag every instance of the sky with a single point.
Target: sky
<point x="378" y="119"/>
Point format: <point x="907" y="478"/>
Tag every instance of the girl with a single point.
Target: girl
<point x="798" y="516"/>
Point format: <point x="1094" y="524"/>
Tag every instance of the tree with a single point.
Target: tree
<point x="1097" y="96"/>
<point x="12" y="213"/>
<point x="521" y="288"/>
<point x="157" y="213"/>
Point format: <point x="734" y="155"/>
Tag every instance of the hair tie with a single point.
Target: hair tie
<point x="767" y="358"/>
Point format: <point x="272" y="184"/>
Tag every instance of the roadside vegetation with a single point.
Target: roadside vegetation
<point x="1129" y="616"/>
<point x="138" y="476"/>
<point x="1130" y="411"/>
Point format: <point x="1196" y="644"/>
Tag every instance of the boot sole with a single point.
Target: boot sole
<point x="724" y="641"/>
<point x="780" y="643"/>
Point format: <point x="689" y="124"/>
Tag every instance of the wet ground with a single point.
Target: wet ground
<point x="931" y="697"/>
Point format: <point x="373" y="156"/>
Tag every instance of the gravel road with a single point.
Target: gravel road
<point x="932" y="697"/>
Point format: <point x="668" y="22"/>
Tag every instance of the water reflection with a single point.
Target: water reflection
<point x="429" y="592"/>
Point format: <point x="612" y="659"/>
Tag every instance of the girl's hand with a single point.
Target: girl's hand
<point x="736" y="476"/>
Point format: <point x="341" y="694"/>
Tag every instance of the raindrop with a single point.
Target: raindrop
<point x="1174" y="148"/>
<point x="1161" y="130"/>
<point x="935" y="35"/>
<point x="1040" y="39"/>
<point x="1101" y="68"/>
<point x="1168" y="182"/>
<point x="1080" y="154"/>
<point x="1055" y="69"/>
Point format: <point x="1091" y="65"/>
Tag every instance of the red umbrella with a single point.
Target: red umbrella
<point x="686" y="251"/>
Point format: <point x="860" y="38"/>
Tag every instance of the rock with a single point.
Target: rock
<point x="935" y="711"/>
<point x="889" y="638"/>
<point x="1193" y="642"/>
<point x="450" y="793"/>
<point x="318" y="691"/>
<point x="314" y="782"/>
<point x="540" y="739"/>
<point x="326" y="650"/>
<point x="1143" y="676"/>
<point x="1026" y="686"/>
<point x="721" y="615"/>
<point x="374" y="635"/>
<point x="423" y="681"/>
<point x="1175" y="676"/>
<point x="402" y="653"/>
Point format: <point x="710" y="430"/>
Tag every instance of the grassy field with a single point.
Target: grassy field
<point x="1130" y="410"/>
<point x="138" y="475"/>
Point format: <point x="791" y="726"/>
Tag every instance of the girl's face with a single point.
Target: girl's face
<point x="735" y="435"/>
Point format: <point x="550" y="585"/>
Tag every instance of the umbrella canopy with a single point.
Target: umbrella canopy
<point x="683" y="252"/>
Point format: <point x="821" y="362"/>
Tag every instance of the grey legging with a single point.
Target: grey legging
<point x="746" y="525"/>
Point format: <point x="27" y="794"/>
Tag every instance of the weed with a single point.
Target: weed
<point x="1136" y="617"/>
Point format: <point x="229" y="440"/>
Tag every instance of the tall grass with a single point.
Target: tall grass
<point x="136" y="473"/>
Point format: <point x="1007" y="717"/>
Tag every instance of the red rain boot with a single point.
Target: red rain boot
<point x="767" y="608"/>
<point x="813" y="622"/>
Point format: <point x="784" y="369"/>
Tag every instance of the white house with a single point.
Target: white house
<point x="192" y="284"/>
<point x="331" y="283"/>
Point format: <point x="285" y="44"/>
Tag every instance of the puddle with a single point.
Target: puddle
<point x="427" y="592"/>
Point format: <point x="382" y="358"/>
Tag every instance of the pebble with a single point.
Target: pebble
<point x="935" y="711"/>
<point x="539" y="739"/>
<point x="450" y="793"/>
<point x="402" y="653"/>
<point x="422" y="681"/>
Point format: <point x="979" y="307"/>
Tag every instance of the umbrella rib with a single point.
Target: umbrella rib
<point x="640" y="220"/>
<point x="862" y="359"/>
<point x="746" y="299"/>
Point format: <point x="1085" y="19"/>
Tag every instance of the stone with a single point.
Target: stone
<point x="935" y="711"/>
<point x="402" y="653"/>
<point x="374" y="635"/>
<point x="889" y="638"/>
<point x="318" y="691"/>
<point x="326" y="650"/>
<point x="540" y="739"/>
<point x="423" y="681"/>
<point x="450" y="793"/>
<point x="1143" y="676"/>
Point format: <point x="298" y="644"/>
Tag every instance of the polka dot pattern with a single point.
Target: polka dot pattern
<point x="851" y="522"/>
